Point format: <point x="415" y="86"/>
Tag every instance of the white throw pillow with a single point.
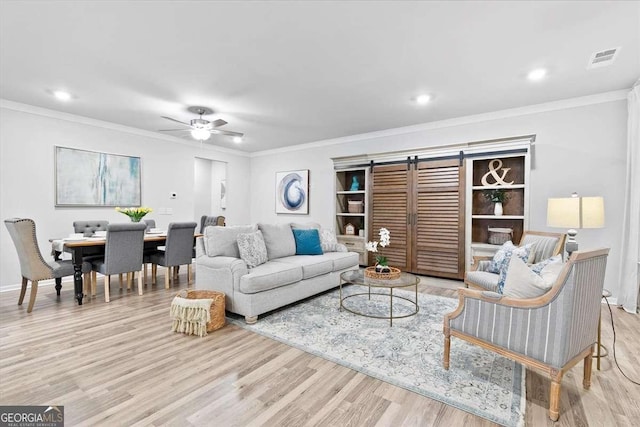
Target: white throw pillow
<point x="328" y="240"/>
<point x="252" y="249"/>
<point x="552" y="270"/>
<point x="522" y="282"/>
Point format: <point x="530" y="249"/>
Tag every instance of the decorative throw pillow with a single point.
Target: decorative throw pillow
<point x="252" y="249"/>
<point x="521" y="252"/>
<point x="328" y="240"/>
<point x="552" y="270"/>
<point x="537" y="268"/>
<point x="307" y="242"/>
<point x="499" y="256"/>
<point x="522" y="282"/>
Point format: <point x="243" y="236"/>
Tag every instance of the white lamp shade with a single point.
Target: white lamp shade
<point x="592" y="212"/>
<point x="575" y="212"/>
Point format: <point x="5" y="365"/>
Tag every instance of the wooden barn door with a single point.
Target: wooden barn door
<point x="438" y="219"/>
<point x="390" y="204"/>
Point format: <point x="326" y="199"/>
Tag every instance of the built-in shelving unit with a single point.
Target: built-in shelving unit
<point x="509" y="173"/>
<point x="352" y="209"/>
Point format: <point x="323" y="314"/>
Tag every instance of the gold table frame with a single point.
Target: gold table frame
<point x="357" y="277"/>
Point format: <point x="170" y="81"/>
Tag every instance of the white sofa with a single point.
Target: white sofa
<point x="285" y="278"/>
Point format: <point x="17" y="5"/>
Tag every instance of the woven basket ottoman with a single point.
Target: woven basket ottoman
<point x="216" y="319"/>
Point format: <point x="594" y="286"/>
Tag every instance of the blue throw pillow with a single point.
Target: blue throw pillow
<point x="307" y="242"/>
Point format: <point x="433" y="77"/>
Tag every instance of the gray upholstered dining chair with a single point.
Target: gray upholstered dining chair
<point x="206" y="221"/>
<point x="551" y="333"/>
<point x="123" y="253"/>
<point x="178" y="251"/>
<point x="32" y="266"/>
<point x="151" y="223"/>
<point x="89" y="227"/>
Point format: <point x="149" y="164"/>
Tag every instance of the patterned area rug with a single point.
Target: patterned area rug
<point x="408" y="354"/>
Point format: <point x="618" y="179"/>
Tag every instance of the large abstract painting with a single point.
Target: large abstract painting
<point x="292" y="192"/>
<point x="89" y="178"/>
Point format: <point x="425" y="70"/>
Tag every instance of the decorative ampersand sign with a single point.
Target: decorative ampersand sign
<point x="495" y="165"/>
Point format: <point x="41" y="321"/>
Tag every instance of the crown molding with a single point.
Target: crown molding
<point x="562" y="104"/>
<point x="32" y="109"/>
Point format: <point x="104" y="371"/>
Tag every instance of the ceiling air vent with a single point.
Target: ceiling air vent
<point x="603" y="58"/>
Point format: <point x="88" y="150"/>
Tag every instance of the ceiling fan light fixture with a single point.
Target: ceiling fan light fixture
<point x="200" y="134"/>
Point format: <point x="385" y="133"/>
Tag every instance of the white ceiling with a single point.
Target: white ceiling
<point x="286" y="73"/>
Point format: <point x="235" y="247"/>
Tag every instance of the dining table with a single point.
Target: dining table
<point x="87" y="247"/>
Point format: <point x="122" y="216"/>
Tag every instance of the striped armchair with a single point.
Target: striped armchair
<point x="545" y="245"/>
<point x="550" y="333"/>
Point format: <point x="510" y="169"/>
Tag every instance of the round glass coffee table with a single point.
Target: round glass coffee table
<point x="357" y="277"/>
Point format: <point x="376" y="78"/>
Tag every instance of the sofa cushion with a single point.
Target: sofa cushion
<point x="222" y="241"/>
<point x="485" y="279"/>
<point x="342" y="260"/>
<point x="279" y="240"/>
<point x="270" y="275"/>
<point x="305" y="225"/>
<point x="307" y="242"/>
<point x="252" y="248"/>
<point x="312" y="265"/>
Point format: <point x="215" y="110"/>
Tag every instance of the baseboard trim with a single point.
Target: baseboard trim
<point x="48" y="282"/>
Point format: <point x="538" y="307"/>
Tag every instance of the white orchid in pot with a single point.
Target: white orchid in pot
<point x="381" y="261"/>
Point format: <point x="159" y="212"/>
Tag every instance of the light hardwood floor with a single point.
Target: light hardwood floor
<point x="118" y="364"/>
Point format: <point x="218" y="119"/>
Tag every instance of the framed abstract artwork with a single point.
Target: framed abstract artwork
<point x="292" y="192"/>
<point x="90" y="178"/>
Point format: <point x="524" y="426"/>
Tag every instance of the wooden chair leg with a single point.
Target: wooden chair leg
<point x="86" y="284"/>
<point x="167" y="277"/>
<point x="447" y="349"/>
<point x="23" y="290"/>
<point x="154" y="273"/>
<point x="120" y="279"/>
<point x="588" y="364"/>
<point x="94" y="283"/>
<point x="129" y="279"/>
<point x="144" y="273"/>
<point x="107" y="282"/>
<point x="140" y="274"/>
<point x="32" y="297"/>
<point x="554" y="396"/>
<point x="189" y="276"/>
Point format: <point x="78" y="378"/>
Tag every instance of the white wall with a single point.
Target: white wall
<point x="578" y="149"/>
<point x="27" y="141"/>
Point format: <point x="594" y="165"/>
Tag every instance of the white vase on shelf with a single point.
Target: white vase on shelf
<point x="497" y="209"/>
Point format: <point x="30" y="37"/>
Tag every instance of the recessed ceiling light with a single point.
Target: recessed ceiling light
<point x="423" y="99"/>
<point x="537" y="74"/>
<point x="62" y="95"/>
<point x="237" y="139"/>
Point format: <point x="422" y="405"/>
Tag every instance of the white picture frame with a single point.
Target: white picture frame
<point x="292" y="192"/>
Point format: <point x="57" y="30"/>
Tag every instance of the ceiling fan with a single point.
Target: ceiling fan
<point x="202" y="129"/>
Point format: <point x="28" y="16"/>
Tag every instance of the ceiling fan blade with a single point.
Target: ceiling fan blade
<point x="218" y="122"/>
<point x="225" y="132"/>
<point x="174" y="130"/>
<point x="177" y="121"/>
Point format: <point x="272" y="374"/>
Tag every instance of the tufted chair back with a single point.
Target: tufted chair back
<point x="89" y="227"/>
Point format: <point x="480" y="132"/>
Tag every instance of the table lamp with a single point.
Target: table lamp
<point x="575" y="212"/>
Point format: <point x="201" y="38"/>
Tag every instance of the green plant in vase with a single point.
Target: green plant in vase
<point x="498" y="197"/>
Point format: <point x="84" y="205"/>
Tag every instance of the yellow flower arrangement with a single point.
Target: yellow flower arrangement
<point x="135" y="214"/>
